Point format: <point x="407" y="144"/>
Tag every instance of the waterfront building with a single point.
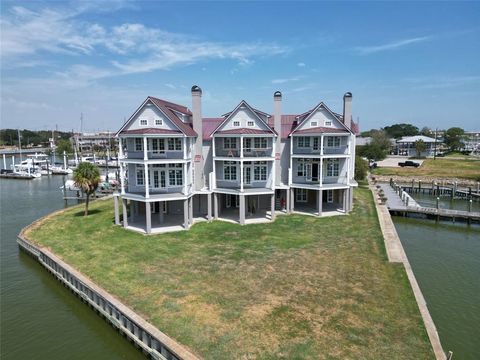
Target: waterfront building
<point x="243" y="166"/>
<point x="406" y="145"/>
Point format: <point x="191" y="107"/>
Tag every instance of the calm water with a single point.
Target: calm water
<point x="445" y="258"/>
<point x="40" y="319"/>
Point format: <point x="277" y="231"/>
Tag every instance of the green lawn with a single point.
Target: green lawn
<point x="440" y="168"/>
<point x="299" y="288"/>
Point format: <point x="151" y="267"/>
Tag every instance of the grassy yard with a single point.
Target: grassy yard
<point x="299" y="288"/>
<point x="441" y="168"/>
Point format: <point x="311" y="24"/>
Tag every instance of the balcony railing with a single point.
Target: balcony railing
<point x="167" y="154"/>
<point x="341" y="150"/>
<point x="247" y="152"/>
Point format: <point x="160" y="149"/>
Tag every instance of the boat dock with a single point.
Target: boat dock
<point x="437" y="189"/>
<point x="399" y="202"/>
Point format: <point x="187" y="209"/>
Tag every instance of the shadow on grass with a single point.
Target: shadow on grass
<point x="90" y="212"/>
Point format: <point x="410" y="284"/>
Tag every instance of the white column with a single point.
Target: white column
<point x="241" y="147"/>
<point x="184" y="145"/>
<point x="241" y="175"/>
<point x="215" y="206"/>
<point x="213" y="146"/>
<point x="120" y="148"/>
<point x="147" y="181"/>
<point x="122" y="178"/>
<point x="242" y="209"/>
<point x="321" y="172"/>
<point x="190" y="210"/>
<point x="184" y="178"/>
<point x="320" y="201"/>
<point x="145" y="147"/>
<point x="291" y="162"/>
<point x="321" y="145"/>
<point x="273" y="174"/>
<point x="148" y="218"/>
<point x="185" y="213"/>
<point x="209" y="207"/>
<point x="124" y="213"/>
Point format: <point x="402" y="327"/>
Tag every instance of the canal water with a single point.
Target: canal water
<point x="445" y="258"/>
<point x="40" y="319"/>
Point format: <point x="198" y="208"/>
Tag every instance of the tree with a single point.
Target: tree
<point x="378" y="147"/>
<point x="453" y="138"/>
<point x="64" y="145"/>
<point x="361" y="168"/>
<point x="420" y="147"/>
<point x="86" y="177"/>
<point x="426" y="131"/>
<point x="400" y="130"/>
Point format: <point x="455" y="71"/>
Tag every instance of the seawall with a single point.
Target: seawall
<point x="396" y="254"/>
<point x="144" y="335"/>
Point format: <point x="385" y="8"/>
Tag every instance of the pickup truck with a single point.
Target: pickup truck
<point x="408" y="163"/>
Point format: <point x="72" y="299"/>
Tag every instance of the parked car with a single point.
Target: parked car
<point x="408" y="163"/>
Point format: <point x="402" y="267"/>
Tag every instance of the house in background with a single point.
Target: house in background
<point x="243" y="166"/>
<point x="406" y="145"/>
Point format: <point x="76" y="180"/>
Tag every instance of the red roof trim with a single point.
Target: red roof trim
<point x="244" y="131"/>
<point x="150" y="131"/>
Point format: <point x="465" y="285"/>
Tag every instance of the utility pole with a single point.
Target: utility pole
<point x="435" y="149"/>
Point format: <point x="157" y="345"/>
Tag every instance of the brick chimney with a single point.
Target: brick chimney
<point x="277" y="124"/>
<point x="347" y="109"/>
<point x="198" y="145"/>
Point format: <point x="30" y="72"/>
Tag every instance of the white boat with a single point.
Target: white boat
<point x="26" y="169"/>
<point x="58" y="170"/>
<point x="70" y="185"/>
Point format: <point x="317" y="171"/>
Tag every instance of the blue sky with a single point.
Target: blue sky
<point x="414" y="62"/>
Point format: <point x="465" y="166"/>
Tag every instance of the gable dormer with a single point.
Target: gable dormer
<point x="320" y="119"/>
<point x="243" y="120"/>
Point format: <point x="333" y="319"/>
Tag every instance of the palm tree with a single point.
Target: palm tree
<point x="420" y="147"/>
<point x="86" y="177"/>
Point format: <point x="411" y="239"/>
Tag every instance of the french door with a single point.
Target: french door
<point x="159" y="180"/>
<point x="247" y="175"/>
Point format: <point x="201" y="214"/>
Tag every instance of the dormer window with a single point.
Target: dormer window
<point x="158" y="122"/>
<point x="313" y="123"/>
<point x="250" y="123"/>
<point x="143" y="122"/>
<point x="328" y="122"/>
<point x="236" y="123"/>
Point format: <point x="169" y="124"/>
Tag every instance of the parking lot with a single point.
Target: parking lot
<point x="392" y="161"/>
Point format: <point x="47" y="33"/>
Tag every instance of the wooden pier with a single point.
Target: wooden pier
<point x="442" y="189"/>
<point x="399" y="202"/>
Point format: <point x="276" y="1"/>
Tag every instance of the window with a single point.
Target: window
<point x="230" y="170"/>
<point x="236" y="123"/>
<point x="143" y="122"/>
<point x="158" y="122"/>
<point x="174" y="144"/>
<point x="247" y="144"/>
<point x="260" y="171"/>
<point x="330" y="196"/>
<point x="301" y="195"/>
<point x="328" y="122"/>
<point x="313" y="123"/>
<point x="138" y="144"/>
<point x="140" y="175"/>
<point x="303" y="142"/>
<point x="158" y="146"/>
<point x="229" y="143"/>
<point x="333" y="167"/>
<point x="250" y="123"/>
<point x="333" y="141"/>
<point x="301" y="168"/>
<point x="316" y="143"/>
<point x="175" y="177"/>
<point x="260" y="143"/>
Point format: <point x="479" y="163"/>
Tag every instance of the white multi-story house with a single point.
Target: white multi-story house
<point x="244" y="166"/>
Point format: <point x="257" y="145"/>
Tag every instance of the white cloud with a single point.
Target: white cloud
<point x="285" y="80"/>
<point x="443" y="82"/>
<point x="301" y="64"/>
<point x="366" y="50"/>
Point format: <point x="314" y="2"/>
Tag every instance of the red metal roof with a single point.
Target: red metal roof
<point x="243" y="131"/>
<point x="150" y="131"/>
<point x="209" y="125"/>
<point x="319" y="130"/>
<point x="167" y="107"/>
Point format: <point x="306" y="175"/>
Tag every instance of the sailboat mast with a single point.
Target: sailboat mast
<point x="19" y="145"/>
